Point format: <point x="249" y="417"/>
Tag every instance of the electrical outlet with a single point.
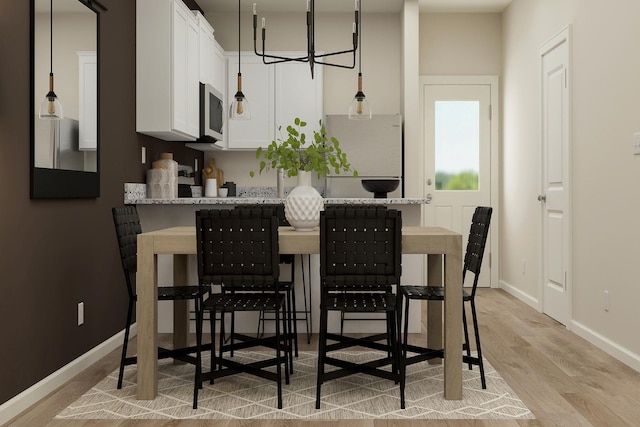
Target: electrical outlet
<point x="144" y="155"/>
<point x="606" y="301"/>
<point x="80" y="313"/>
<point x="636" y="143"/>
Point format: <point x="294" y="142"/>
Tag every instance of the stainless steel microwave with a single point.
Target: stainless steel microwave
<point x="212" y="114"/>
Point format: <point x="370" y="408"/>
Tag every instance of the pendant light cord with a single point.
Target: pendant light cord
<point x="51" y="37"/>
<point x="239" y="37"/>
<point x="360" y="37"/>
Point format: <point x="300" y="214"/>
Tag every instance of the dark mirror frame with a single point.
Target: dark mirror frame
<point x="61" y="183"/>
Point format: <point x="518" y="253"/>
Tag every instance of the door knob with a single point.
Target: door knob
<point x="542" y="198"/>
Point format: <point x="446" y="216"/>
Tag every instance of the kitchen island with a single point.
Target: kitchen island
<point x="157" y="214"/>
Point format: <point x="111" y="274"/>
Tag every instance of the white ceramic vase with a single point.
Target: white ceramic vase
<point x="303" y="204"/>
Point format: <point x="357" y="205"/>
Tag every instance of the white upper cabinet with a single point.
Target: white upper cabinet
<point x="277" y="95"/>
<point x="88" y="100"/>
<point x="168" y="70"/>
<point x="297" y="95"/>
<point x="213" y="62"/>
<point x="219" y="68"/>
<point x="207" y="47"/>
<point x="258" y="88"/>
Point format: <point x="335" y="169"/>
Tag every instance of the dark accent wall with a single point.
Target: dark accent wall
<point x="56" y="253"/>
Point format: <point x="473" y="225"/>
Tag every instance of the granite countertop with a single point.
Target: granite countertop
<point x="271" y="200"/>
<point x="135" y="194"/>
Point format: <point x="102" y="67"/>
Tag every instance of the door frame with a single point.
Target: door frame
<point x="564" y="35"/>
<point x="492" y="82"/>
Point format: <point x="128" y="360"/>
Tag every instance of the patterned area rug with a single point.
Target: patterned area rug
<point x="247" y="397"/>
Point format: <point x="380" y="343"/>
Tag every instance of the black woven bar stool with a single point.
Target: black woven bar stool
<point x="239" y="248"/>
<point x="472" y="264"/>
<point x="360" y="260"/>
<point x="127" y="225"/>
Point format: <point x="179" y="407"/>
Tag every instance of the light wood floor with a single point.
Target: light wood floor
<point x="563" y="379"/>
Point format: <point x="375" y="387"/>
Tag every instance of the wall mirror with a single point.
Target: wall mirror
<point x="65" y="153"/>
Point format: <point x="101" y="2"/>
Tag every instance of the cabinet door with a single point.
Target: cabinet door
<point x="186" y="71"/>
<point x="88" y="97"/>
<point x="193" y="78"/>
<point x="297" y="95"/>
<point x="219" y="68"/>
<point x="207" y="47"/>
<point x="258" y="88"/>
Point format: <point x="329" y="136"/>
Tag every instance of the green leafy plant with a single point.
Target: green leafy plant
<point x="291" y="154"/>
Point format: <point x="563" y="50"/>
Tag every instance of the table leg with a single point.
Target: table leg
<point x="147" y="319"/>
<point x="453" y="320"/>
<point x="434" y="308"/>
<point x="180" y="307"/>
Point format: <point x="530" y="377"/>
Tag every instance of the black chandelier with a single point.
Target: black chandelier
<point x="311" y="56"/>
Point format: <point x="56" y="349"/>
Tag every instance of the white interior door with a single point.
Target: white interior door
<point x="458" y="136"/>
<point x="555" y="196"/>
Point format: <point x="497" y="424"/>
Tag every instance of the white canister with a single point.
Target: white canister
<point x="159" y="184"/>
<point x="166" y="162"/>
<point x="211" y="188"/>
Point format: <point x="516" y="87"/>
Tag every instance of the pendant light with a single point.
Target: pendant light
<point x="359" y="109"/>
<point x="240" y="109"/>
<point x="51" y="108"/>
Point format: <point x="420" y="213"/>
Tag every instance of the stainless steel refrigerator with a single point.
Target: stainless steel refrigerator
<point x="374" y="149"/>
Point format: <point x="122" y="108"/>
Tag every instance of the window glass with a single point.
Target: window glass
<point x="457" y="140"/>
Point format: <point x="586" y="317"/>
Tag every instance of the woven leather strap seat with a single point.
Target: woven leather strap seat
<point x="366" y="302"/>
<point x="178" y="292"/>
<point x="429" y="293"/>
<point x="244" y="302"/>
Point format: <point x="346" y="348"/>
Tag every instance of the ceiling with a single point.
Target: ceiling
<point x="377" y="6"/>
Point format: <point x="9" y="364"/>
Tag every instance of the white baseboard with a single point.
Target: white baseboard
<point x="525" y="298"/>
<point x="14" y="406"/>
<point x="605" y="344"/>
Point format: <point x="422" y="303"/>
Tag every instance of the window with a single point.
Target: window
<point x="457" y="141"/>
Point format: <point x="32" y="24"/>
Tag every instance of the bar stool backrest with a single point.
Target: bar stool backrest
<point x="127" y="224"/>
<point x="360" y="246"/>
<point x="477" y="241"/>
<point x="237" y="246"/>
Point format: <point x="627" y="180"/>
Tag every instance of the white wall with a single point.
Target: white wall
<point x="526" y="26"/>
<point x="606" y="201"/>
<point x="460" y="44"/>
<point x="287" y="31"/>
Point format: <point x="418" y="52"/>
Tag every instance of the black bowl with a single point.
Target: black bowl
<point x="380" y="187"/>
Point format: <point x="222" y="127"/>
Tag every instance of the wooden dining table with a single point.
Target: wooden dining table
<point x="439" y="244"/>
